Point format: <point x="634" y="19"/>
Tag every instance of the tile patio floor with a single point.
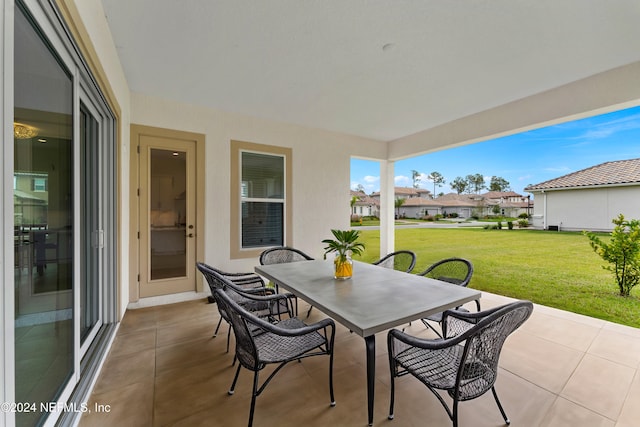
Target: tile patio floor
<point x="559" y="369"/>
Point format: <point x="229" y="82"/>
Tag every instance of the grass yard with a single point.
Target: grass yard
<point x="556" y="269"/>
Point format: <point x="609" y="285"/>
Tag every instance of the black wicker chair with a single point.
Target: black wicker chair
<point x="398" y="260"/>
<point x="465" y="362"/>
<point x="260" y="343"/>
<point x="457" y="271"/>
<point x="263" y="301"/>
<point x="281" y="255"/>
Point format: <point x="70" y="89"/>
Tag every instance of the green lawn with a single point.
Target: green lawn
<point x="556" y="269"/>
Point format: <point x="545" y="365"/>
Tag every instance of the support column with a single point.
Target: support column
<point x="387" y="205"/>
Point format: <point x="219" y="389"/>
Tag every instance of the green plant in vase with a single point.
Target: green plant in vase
<point x="344" y="245"/>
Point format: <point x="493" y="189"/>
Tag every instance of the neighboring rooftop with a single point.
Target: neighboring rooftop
<point x="610" y="173"/>
<point x="363" y="199"/>
<point x="405" y="191"/>
<point x="500" y="194"/>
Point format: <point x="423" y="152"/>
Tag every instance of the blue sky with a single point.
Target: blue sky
<point x="527" y="158"/>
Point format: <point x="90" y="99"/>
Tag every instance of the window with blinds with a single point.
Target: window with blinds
<point x="262" y="199"/>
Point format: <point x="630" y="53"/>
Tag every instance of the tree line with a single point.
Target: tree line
<point x="472" y="183"/>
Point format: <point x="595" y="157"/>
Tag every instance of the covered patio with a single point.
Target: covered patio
<point x="309" y="85"/>
<point x="559" y="369"/>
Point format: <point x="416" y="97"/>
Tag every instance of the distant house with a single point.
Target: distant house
<point x="509" y="203"/>
<point x="467" y="205"/>
<point x="418" y="203"/>
<point x="418" y="207"/>
<point x="408" y="194"/>
<point x="405" y="193"/>
<point x="364" y="205"/>
<point x="590" y="198"/>
<point x="30" y="198"/>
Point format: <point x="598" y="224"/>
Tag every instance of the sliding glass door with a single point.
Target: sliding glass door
<point x="64" y="220"/>
<point x="43" y="220"/>
<point x="92" y="233"/>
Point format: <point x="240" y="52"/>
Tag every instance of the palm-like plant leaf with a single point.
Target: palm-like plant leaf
<point x="345" y="241"/>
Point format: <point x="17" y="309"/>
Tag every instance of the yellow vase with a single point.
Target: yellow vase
<point x="343" y="267"/>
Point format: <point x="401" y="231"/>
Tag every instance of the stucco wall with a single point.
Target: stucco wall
<point x="588" y="209"/>
<point x="321" y="167"/>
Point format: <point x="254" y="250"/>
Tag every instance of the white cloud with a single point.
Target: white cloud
<point x="604" y="130"/>
<point x="370" y="184"/>
<point x="403" y="181"/>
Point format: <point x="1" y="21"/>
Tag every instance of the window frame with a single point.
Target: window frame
<point x="237" y="148"/>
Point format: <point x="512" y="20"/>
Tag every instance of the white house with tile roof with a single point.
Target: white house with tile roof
<point x="405" y="193"/>
<point x="590" y="198"/>
<point x="466" y="205"/>
<point x="364" y="205"/>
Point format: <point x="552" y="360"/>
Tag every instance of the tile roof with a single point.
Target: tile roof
<point x="500" y="194"/>
<point x="405" y="191"/>
<point x="448" y="200"/>
<point x="609" y="173"/>
<point x="460" y="197"/>
<point x="421" y="201"/>
<point x="363" y="199"/>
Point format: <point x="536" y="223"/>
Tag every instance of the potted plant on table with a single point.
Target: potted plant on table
<point x="344" y="245"/>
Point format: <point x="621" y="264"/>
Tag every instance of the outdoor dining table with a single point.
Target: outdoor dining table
<point x="373" y="300"/>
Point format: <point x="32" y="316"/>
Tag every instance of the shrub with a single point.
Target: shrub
<point x="522" y="223"/>
<point x="510" y="225"/>
<point x="439" y="216"/>
<point x="622" y="252"/>
<point x="499" y="225"/>
<point x="491" y="227"/>
<point x="428" y="218"/>
<point x="523" y="215"/>
<point x="453" y="215"/>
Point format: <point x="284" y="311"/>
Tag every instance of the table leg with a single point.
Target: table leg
<point x="370" y="343"/>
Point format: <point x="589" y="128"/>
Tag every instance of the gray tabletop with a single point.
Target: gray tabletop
<point x="373" y="300"/>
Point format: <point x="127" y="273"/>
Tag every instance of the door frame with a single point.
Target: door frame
<point x="134" y="200"/>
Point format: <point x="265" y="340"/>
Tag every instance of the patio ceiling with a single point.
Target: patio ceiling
<point x="381" y="70"/>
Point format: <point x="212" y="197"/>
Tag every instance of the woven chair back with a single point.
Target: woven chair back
<point x="398" y="260"/>
<point x="479" y="365"/>
<point x="283" y="255"/>
<point x="246" y="350"/>
<point x="209" y="275"/>
<point x="452" y="270"/>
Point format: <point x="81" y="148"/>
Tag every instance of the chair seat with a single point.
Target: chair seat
<point x="276" y="348"/>
<point x="464" y="363"/>
<point x="439" y="368"/>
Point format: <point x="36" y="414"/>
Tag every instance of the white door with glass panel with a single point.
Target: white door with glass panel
<point x="167" y="216"/>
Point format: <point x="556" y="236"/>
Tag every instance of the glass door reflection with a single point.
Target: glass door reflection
<point x="167" y="214"/>
<point x="43" y="195"/>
